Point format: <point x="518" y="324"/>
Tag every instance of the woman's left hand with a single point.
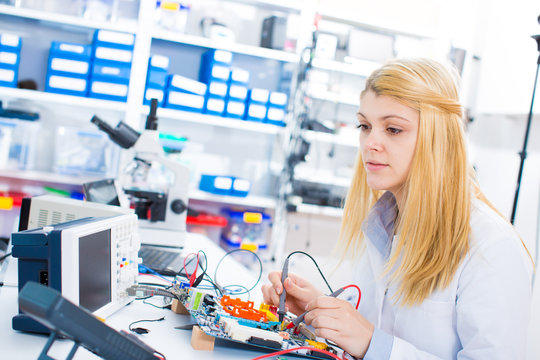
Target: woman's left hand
<point x="338" y="321"/>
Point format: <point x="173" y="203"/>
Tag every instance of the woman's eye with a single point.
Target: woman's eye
<point x="393" y="131"/>
<point x="362" y="126"/>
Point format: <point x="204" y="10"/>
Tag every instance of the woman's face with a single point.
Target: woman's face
<point x="388" y="133"/>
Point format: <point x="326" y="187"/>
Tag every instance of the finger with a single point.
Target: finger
<point x="293" y="289"/>
<point x="324" y="321"/>
<point x="269" y="295"/>
<point x="326" y="302"/>
<point x="300" y="281"/>
<point x="266" y="293"/>
<point x="275" y="280"/>
<point x="329" y="334"/>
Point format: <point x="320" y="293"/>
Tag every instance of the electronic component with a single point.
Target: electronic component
<point x="274" y="32"/>
<point x="223" y="317"/>
<point x="91" y="261"/>
<point x="64" y="318"/>
<point x="44" y="210"/>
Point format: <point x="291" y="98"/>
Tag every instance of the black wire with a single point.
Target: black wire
<point x="237" y="250"/>
<point x="5" y="256"/>
<point x="138" y="321"/>
<point x="317" y="265"/>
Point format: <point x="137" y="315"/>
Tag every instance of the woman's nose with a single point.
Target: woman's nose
<point x="373" y="141"/>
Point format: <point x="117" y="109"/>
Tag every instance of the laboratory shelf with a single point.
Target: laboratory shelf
<point x="62" y="19"/>
<point x="345" y="99"/>
<point x="276" y="5"/>
<point x="319" y="210"/>
<point x="252" y="201"/>
<point x="224" y="45"/>
<point x="215" y="120"/>
<point x="355" y="19"/>
<point x="351" y="141"/>
<point x="45" y="178"/>
<point x="321" y="178"/>
<point x="8" y="94"/>
<point x="357" y="67"/>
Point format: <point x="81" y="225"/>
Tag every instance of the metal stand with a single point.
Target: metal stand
<point x="293" y="141"/>
<point x="523" y="153"/>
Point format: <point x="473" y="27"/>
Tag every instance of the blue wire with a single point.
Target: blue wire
<point x="154" y="273"/>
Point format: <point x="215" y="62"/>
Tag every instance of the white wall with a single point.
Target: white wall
<point x="508" y="55"/>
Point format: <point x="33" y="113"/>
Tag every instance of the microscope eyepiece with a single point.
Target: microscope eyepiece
<point x="123" y="135"/>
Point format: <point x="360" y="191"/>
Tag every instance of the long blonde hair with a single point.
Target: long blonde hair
<point x="433" y="223"/>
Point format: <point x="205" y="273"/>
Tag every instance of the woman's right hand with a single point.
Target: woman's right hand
<point x="299" y="292"/>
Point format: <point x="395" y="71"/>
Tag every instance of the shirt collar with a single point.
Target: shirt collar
<point x="379" y="225"/>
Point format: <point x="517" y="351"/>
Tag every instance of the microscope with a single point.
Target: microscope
<point x="161" y="208"/>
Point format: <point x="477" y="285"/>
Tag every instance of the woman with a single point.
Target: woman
<point x="443" y="274"/>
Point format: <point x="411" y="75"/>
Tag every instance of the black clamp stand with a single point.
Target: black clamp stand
<point x="523" y="153"/>
<point x="54" y="335"/>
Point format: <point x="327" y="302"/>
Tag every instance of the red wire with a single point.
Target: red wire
<point x="359" y="293"/>
<point x="277" y="353"/>
<point x="191" y="277"/>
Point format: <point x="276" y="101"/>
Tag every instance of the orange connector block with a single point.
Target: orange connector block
<point x="242" y="309"/>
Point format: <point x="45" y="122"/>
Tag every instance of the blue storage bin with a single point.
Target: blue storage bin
<point x="108" y="90"/>
<point x="239" y="76"/>
<point x="68" y="59"/>
<point x="217" y="88"/>
<point x="8" y="76"/>
<point x="215" y="184"/>
<point x="214" y="71"/>
<point x="68" y="67"/>
<point x="214" y="106"/>
<point x="112" y="56"/>
<point x="113" y="39"/>
<point x="156" y="76"/>
<point x="10" y="42"/>
<point x="235" y="109"/>
<point x="255" y="112"/>
<point x="66" y="85"/>
<point x="154" y="93"/>
<point x="183" y="84"/>
<point x="160" y="62"/>
<point x="9" y="59"/>
<point x="277" y="99"/>
<point x="69" y="50"/>
<point x="114" y="73"/>
<point x="240" y="187"/>
<point x="213" y="56"/>
<point x="258" y="95"/>
<point x="184" y="101"/>
<point x="275" y="116"/>
<point x="237" y="92"/>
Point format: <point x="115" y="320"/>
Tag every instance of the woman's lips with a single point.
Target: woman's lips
<point x="371" y="166"/>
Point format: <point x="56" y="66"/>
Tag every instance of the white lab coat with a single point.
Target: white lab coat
<point x="483" y="314"/>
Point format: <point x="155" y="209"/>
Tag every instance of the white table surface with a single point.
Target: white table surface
<point x="173" y="343"/>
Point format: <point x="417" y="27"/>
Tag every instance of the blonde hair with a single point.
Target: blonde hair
<point x="433" y="223"/>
